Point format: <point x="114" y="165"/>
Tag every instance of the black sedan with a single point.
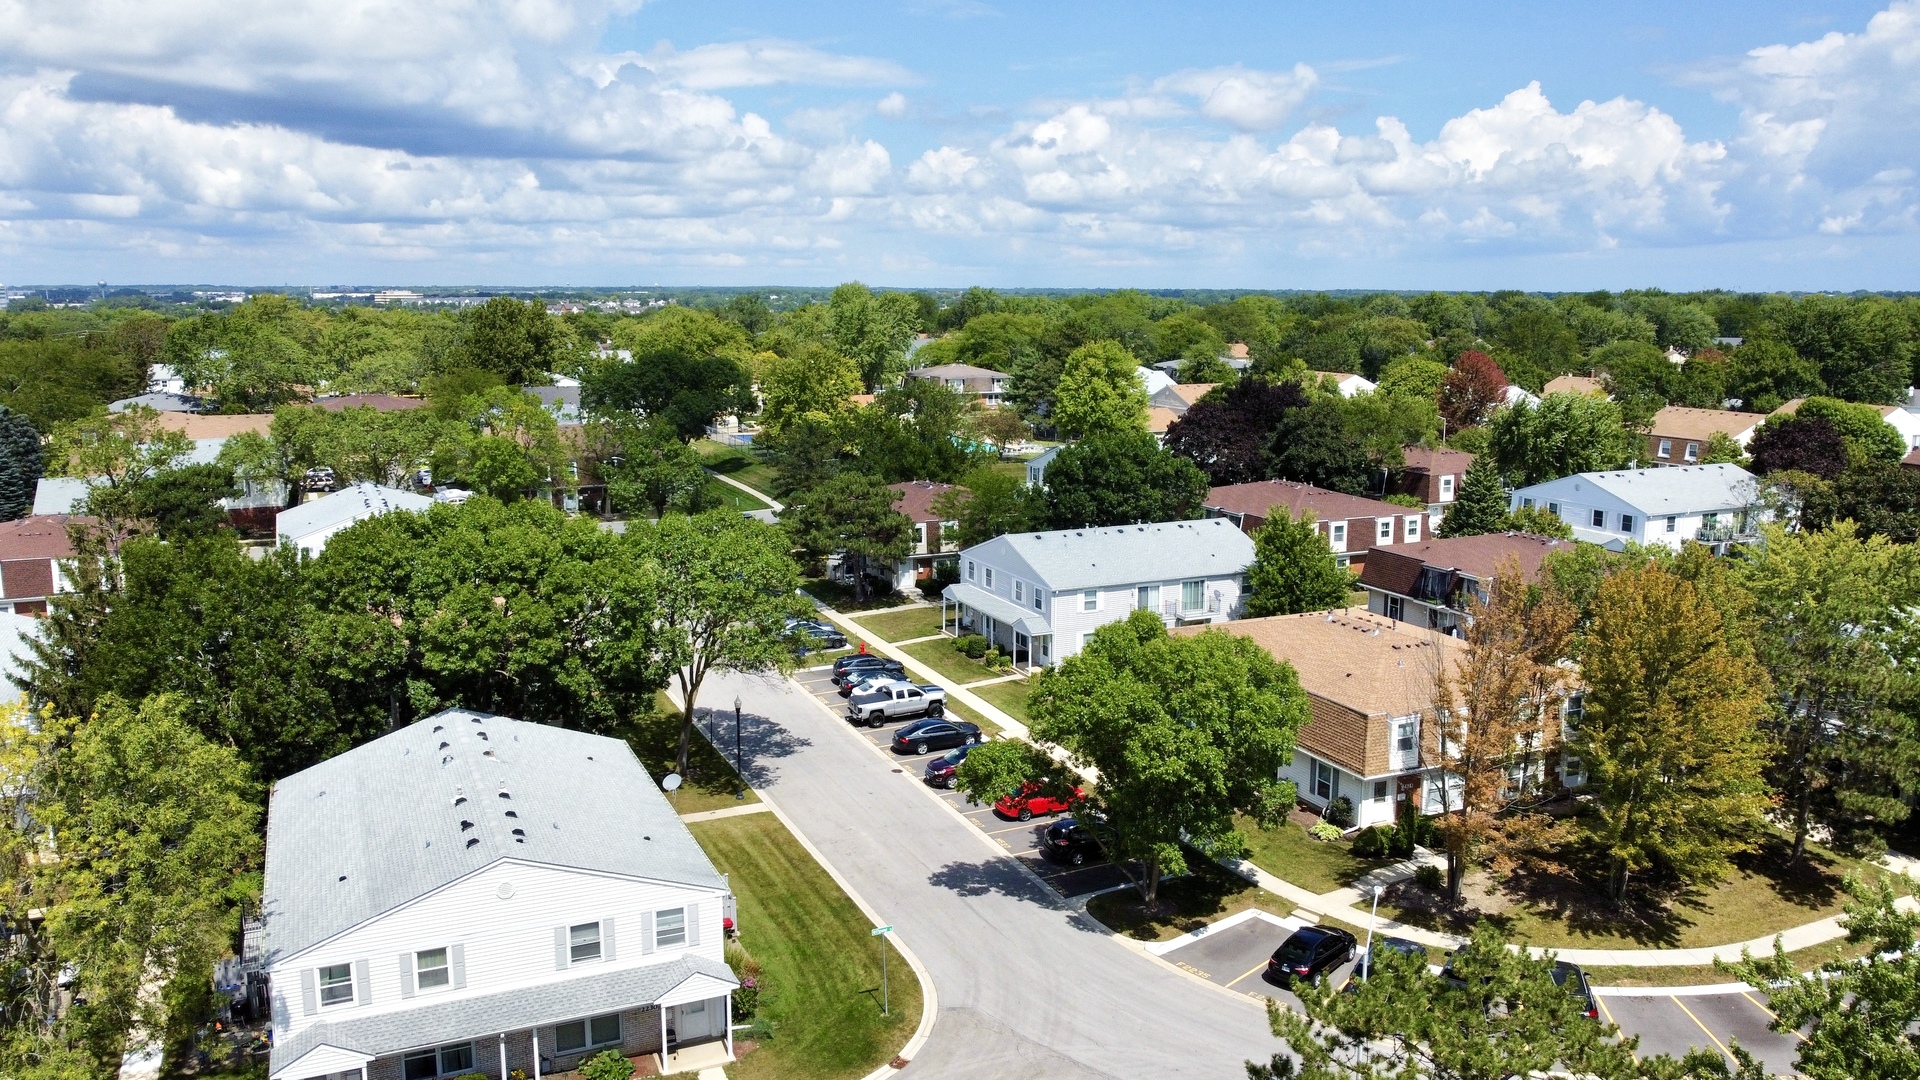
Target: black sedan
<point x="941" y="769"/>
<point x="934" y="733"/>
<point x="847" y="668"/>
<point x="1071" y="842"/>
<point x="1570" y="978"/>
<point x="814" y="635"/>
<point x="1309" y="953"/>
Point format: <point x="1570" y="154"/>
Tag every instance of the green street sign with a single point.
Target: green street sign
<point x="878" y="930"/>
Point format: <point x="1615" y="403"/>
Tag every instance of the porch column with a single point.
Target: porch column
<point x="503" y="1056"/>
<point x="663" y="1037"/>
<point x="728" y="1009"/>
<point x="535" y="1032"/>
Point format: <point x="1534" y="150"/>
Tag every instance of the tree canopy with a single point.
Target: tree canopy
<point x="1121" y="479"/>
<point x="1294" y="569"/>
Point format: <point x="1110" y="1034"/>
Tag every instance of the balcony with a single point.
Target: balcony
<point x="1721" y="532"/>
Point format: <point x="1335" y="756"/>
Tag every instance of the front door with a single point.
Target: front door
<point x="696" y="1021"/>
<point x="1409" y="791"/>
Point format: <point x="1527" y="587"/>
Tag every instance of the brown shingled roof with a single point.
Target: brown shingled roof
<point x="1679" y="422"/>
<point x="916" y="498"/>
<point x="1573" y="384"/>
<point x="1368" y="663"/>
<point x="1160" y="418"/>
<point x="42" y="536"/>
<point x="1439" y="462"/>
<point x="1477" y="556"/>
<point x="218" y="425"/>
<point x="376" y="402"/>
<point x="1262" y="496"/>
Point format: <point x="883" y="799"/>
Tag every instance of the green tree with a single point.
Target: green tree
<point x="55" y="380"/>
<point x="1121" y="478"/>
<point x="1831" y="630"/>
<point x="1206" y="369"/>
<point x="508" y="446"/>
<point x="647" y="467"/>
<point x="1863" y="349"/>
<point x="1099" y="392"/>
<point x="1722" y="449"/>
<point x="255" y="356"/>
<point x="1294" y="569"/>
<point x="513" y="339"/>
<point x="1537" y="521"/>
<point x="1313" y="445"/>
<point x="1867" y="434"/>
<point x="1480" y="506"/>
<point x="116" y="449"/>
<point x="183" y="503"/>
<point x="1413" y="377"/>
<point x="1861" y="1018"/>
<point x="21" y="463"/>
<point x="1670" y="739"/>
<point x="1183" y="731"/>
<point x="810" y="382"/>
<point x="871" y="329"/>
<point x="1765" y="373"/>
<point x="1882" y="497"/>
<point x="851" y="515"/>
<point x="687" y="379"/>
<point x="725" y="586"/>
<point x="1563" y="435"/>
<point x="990" y="503"/>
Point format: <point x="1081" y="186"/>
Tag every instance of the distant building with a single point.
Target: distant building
<point x="377" y="402"/>
<point x="1678" y="436"/>
<point x="161" y="401"/>
<point x="989" y="387"/>
<point x="311" y="524"/>
<point x="1716" y="505"/>
<point x="1180" y="397"/>
<point x="915" y="498"/>
<point x="1159" y="419"/>
<point x="1351" y="524"/>
<point x="1431" y="475"/>
<point x="1037" y="468"/>
<point x="1575" y="384"/>
<point x="1347" y="383"/>
<point x="31" y="552"/>
<point x="1428" y="583"/>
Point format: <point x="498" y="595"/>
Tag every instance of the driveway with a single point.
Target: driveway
<point x="1028" y="986"/>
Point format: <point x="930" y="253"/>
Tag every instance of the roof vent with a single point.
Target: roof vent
<point x="343" y="877"/>
<point x="444" y="745"/>
<point x="488" y="753"/>
<point x="446" y="760"/>
<point x="506" y="795"/>
<point x="516" y="832"/>
<point x="482" y="734"/>
<point x="465" y="825"/>
<point x="513" y="813"/>
<point x="476" y="719"/>
<point x="473" y="841"/>
<point x="589" y="757"/>
<point x="459" y="800"/>
<point x="438" y="728"/>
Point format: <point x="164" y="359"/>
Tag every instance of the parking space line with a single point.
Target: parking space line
<point x="1703" y="1028"/>
<point x="1770" y="1013"/>
<point x="1608" y="1013"/>
<point x="1262" y="967"/>
<point x="1011" y="828"/>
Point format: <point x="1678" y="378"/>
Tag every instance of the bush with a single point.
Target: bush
<point x="607" y="1065"/>
<point x="1323" y="830"/>
<point x="1429" y="878"/>
<point x="971" y="645"/>
<point x="1413" y="828"/>
<point x="1340" y="811"/>
<point x="1373" y="842"/>
<point x="997" y="660"/>
<point x="746" y="998"/>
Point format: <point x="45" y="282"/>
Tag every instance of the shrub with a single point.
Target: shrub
<point x="1373" y="842"/>
<point x="1324" y="830"/>
<point x="1412" y="828"/>
<point x="607" y="1065"/>
<point x="1429" y="878"/>
<point x="997" y="660"/>
<point x="972" y="645"/>
<point x="746" y="998"/>
<point x="1340" y="811"/>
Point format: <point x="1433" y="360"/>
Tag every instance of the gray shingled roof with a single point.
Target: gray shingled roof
<point x="347" y="504"/>
<point x="510" y="1010"/>
<point x="358" y="835"/>
<point x="1124" y="554"/>
<point x="1672" y="489"/>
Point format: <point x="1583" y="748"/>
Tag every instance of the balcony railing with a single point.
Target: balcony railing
<point x="1721" y="532"/>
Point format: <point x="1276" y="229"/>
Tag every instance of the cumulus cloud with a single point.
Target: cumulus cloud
<point x="1248" y="100"/>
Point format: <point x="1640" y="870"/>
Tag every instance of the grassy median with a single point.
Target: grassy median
<point x="709" y="783"/>
<point x="820" y="999"/>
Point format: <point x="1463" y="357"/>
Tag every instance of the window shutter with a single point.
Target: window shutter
<point x="693" y="924"/>
<point x="560" y="948"/>
<point x="457" y="960"/>
<point x="309" y="991"/>
<point x="406" y="974"/>
<point x="606" y="938"/>
<point x="362" y="982"/>
<point x="646" y="933"/>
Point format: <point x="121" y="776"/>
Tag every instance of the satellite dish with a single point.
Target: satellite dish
<point x="671" y="782"/>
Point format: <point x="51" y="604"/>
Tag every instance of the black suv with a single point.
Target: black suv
<point x="1070" y="842"/>
<point x="1309" y="953"/>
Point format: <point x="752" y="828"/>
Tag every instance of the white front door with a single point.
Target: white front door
<point x="698" y="1020"/>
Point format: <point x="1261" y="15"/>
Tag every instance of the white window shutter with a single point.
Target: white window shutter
<point x="560" y="948"/>
<point x="693" y="924"/>
<point x="606" y="938"/>
<point x="362" y="982"/>
<point x="646" y="933"/>
<point x="309" y="991"/>
<point x="457" y="960"/>
<point x="406" y="974"/>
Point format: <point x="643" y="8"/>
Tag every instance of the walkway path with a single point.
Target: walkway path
<point x="774" y="505"/>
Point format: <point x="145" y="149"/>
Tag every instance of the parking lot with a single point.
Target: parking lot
<point x="1021" y="838"/>
<point x="1234" y="951"/>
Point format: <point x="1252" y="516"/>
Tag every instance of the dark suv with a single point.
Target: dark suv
<point x="1310" y="953"/>
<point x="1070" y="842"/>
<point x="845" y="668"/>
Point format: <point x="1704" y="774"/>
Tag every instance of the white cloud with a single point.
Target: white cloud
<point x="894" y="104"/>
<point x="765" y="63"/>
<point x="1248" y="100"/>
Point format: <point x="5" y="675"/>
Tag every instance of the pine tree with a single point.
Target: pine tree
<point x="1294" y="569"/>
<point x="1481" y="504"/>
<point x="21" y="461"/>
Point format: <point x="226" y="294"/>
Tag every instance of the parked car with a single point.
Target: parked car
<point x="941" y="769"/>
<point x="1574" y="981"/>
<point x="876" y="703"/>
<point x="1071" y="842"/>
<point x="1029" y="800"/>
<point x="1309" y="953"/>
<point x="815" y="635"/>
<point x="1385" y="945"/>
<point x="871" y="679"/>
<point x="319" y="478"/>
<point x="934" y="734"/>
<point x="860" y="662"/>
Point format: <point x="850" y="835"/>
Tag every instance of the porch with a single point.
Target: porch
<point x="1021" y="633"/>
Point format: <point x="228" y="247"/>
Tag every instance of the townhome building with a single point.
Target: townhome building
<point x="32" y="551"/>
<point x="1574" y="384"/>
<point x="1039" y="596"/>
<point x="915" y="499"/>
<point x="311" y="524"/>
<point x="1346" y="383"/>
<point x="1431" y="475"/>
<point x="1351" y="524"/>
<point x="476" y="894"/>
<point x="1679" y="436"/>
<point x="989" y="387"/>
<point x="1716" y="505"/>
<point x="1180" y="397"/>
<point x="1429" y="584"/>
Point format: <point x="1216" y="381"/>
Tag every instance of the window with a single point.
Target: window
<point x="989" y="577"/>
<point x="1379" y="791"/>
<point x="1090" y="600"/>
<point x="1446" y="487"/>
<point x="1672" y="522"/>
<point x="1413" y="528"/>
<point x="1148" y="598"/>
<point x="1193" y="594"/>
<point x="1339" y="533"/>
<point x="1626" y="523"/>
<point x="969" y="569"/>
<point x="1019" y="591"/>
<point x="582" y="1034"/>
<point x="583" y="942"/>
<point x="669" y="928"/>
<point x="1403" y="737"/>
<point x="1396" y="609"/>
<point x="1666" y="448"/>
<point x="1036" y="598"/>
<point x="430" y="968"/>
<point x="1527" y="503"/>
<point x="336" y="985"/>
<point x="1693" y="451"/>
<point x="1553" y="508"/>
<point x="1599" y="519"/>
<point x="446" y="1061"/>
<point x="1322" y="780"/>
<point x="1086" y="639"/>
<point x="1384" y="530"/>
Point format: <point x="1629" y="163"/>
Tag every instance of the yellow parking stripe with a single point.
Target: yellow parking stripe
<point x="1262" y="967"/>
<point x="1702" y="1027"/>
<point x="1027" y="826"/>
<point x="1770" y="1013"/>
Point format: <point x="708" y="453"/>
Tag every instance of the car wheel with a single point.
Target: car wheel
<point x="1077" y="858"/>
<point x="972" y="740"/>
<point x="936" y="709"/>
<point x="948" y="782"/>
<point x="920" y="748"/>
<point x="1026" y="813"/>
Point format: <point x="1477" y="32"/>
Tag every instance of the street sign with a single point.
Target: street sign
<point x="878" y="930"/>
<point x="886" y="1008"/>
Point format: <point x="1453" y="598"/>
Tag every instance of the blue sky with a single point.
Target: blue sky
<point x="953" y="142"/>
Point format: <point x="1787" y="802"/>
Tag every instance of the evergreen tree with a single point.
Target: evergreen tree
<point x="852" y="515"/>
<point x="21" y="461"/>
<point x="1294" y="569"/>
<point x="1480" y="506"/>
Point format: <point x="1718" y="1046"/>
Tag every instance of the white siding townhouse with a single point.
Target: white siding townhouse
<point x="311" y="524"/>
<point x="1714" y="505"/>
<point x="474" y="894"/>
<point x="1039" y="596"/>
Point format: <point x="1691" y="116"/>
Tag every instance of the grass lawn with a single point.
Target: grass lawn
<point x="743" y="465"/>
<point x="1763" y="896"/>
<point x="1008" y="697"/>
<point x="950" y="662"/>
<point x="904" y="625"/>
<point x="820" y="995"/>
<point x="1210" y="893"/>
<point x="709" y="783"/>
<point x="1806" y="959"/>
<point x="1289" y="854"/>
<point x="840" y="597"/>
<point x="733" y="498"/>
<point x="961" y="712"/>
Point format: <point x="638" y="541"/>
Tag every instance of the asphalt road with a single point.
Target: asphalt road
<point x="1027" y="986"/>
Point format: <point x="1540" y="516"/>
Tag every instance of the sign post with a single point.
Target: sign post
<point x="881" y="932"/>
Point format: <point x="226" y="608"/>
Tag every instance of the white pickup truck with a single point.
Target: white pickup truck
<point x="896" y="700"/>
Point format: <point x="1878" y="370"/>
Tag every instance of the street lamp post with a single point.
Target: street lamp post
<point x="739" y="773"/>
<point x="1366" y="960"/>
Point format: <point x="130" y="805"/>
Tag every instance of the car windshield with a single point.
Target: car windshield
<point x="1297" y="947"/>
<point x="954" y="757"/>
